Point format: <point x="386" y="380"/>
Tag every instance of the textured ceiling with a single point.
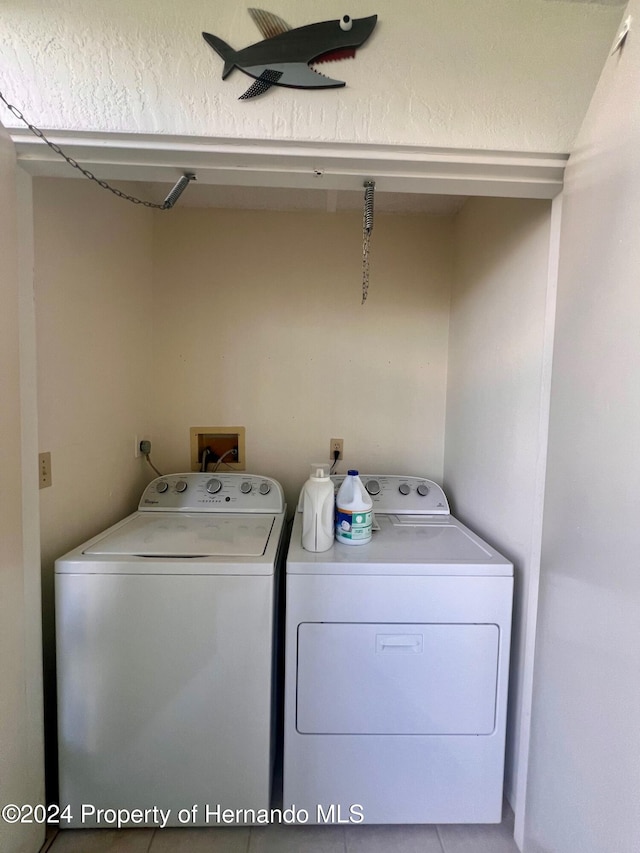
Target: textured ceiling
<point x="491" y="75"/>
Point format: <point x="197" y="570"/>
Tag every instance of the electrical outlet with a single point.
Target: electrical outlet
<point x="335" y="444"/>
<point x="137" y="452"/>
<point x="44" y="470"/>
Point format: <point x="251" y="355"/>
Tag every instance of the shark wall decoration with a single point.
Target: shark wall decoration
<point x="285" y="55"/>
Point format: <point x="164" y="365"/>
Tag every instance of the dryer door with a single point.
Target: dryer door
<point x="363" y="678"/>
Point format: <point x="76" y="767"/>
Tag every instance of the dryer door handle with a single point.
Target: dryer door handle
<point x="407" y="643"/>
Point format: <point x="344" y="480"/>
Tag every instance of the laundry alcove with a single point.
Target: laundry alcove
<point x="243" y="305"/>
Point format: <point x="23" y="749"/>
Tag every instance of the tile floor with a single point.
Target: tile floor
<point x="294" y="839"/>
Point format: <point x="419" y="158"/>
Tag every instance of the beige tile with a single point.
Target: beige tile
<point x="102" y="841"/>
<point x="474" y="838"/>
<point x="392" y="839"/>
<point x="480" y="838"/>
<point x="297" y="839"/>
<point x="229" y="839"/>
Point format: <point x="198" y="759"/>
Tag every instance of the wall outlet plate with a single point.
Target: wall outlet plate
<point x="44" y="470"/>
<point x="137" y="453"/>
<point x="220" y="441"/>
<point x="336" y="444"/>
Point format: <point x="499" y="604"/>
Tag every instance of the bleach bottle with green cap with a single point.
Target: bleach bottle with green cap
<point x="354" y="511"/>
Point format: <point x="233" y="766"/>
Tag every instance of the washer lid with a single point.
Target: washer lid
<point x="186" y="535"/>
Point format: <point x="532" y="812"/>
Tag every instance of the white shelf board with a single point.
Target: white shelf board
<point x="312" y="165"/>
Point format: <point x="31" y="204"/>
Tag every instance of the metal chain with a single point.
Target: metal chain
<point x="366" y="242"/>
<point x="105" y="186"/>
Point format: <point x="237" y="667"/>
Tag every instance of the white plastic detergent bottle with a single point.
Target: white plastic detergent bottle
<point x="354" y="516"/>
<point x="318" y="505"/>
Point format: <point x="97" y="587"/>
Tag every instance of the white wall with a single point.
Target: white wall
<point x="496" y="74"/>
<point x="258" y="323"/>
<point x="494" y="434"/>
<point x="584" y="782"/>
<point x="21" y="739"/>
<point x="93" y="312"/>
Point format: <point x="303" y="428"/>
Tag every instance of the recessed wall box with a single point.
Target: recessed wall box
<point x="219" y="444"/>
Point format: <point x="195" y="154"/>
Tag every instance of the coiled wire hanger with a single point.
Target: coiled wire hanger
<point x="367" y="228"/>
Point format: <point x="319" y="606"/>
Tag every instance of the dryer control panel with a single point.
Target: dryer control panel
<point x="213" y="493"/>
<point x="400" y="495"/>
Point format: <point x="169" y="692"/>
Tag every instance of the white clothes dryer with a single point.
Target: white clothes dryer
<point x="396" y="668"/>
<point x="165" y="653"/>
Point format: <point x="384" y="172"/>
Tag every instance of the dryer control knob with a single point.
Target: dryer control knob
<point x="181" y="486"/>
<point x="404" y="488"/>
<point x="423" y="489"/>
<point x="265" y="488"/>
<point x="162" y="487"/>
<point x="246" y="487"/>
<point x="373" y="487"/>
<point x="214" y="486"/>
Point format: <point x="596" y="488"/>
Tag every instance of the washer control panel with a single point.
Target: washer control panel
<point x="213" y="493"/>
<point x="401" y="495"/>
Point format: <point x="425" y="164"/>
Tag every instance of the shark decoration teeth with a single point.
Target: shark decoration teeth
<point x="333" y="55"/>
<point x="285" y="56"/>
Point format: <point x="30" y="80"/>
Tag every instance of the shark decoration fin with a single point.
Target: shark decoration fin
<point x="261" y="84"/>
<point x="270" y="25"/>
<point x="224" y="51"/>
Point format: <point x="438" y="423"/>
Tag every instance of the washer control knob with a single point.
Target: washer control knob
<point x="404" y="488"/>
<point x="181" y="486"/>
<point x="423" y="489"/>
<point x="213" y="486"/>
<point x="162" y="487"/>
<point x="265" y="488"/>
<point x="246" y="487"/>
<point x="373" y="487"/>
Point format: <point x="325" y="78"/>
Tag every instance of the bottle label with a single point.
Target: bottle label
<point x="354" y="526"/>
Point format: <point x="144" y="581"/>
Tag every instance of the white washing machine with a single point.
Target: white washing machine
<point x="396" y="668"/>
<point x="165" y="652"/>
